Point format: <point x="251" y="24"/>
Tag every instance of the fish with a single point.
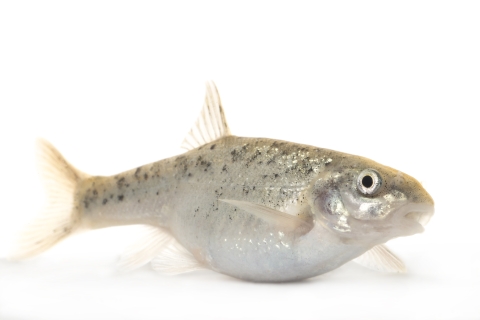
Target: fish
<point x="256" y="209"/>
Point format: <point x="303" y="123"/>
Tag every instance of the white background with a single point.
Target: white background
<point x="114" y="85"/>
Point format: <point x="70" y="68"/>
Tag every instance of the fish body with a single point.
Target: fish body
<point x="182" y="194"/>
<point x="253" y="208"/>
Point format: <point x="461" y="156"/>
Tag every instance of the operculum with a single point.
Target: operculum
<point x="330" y="210"/>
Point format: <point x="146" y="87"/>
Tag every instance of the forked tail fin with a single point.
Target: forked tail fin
<point x="60" y="217"/>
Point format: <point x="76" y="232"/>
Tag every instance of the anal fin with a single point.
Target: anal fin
<point x="380" y="258"/>
<point x="175" y="259"/>
<point x="144" y="249"/>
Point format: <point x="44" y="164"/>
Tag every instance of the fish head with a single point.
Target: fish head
<point x="362" y="200"/>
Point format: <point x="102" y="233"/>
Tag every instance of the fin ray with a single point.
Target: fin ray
<point x="175" y="259"/>
<point x="211" y="123"/>
<point x="144" y="249"/>
<point x="59" y="218"/>
<point x="380" y="258"/>
<point x="281" y="219"/>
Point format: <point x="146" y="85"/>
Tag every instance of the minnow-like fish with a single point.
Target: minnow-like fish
<point x="252" y="208"/>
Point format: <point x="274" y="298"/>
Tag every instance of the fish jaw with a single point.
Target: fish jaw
<point x="419" y="213"/>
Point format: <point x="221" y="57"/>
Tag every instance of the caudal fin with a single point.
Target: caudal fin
<point x="60" y="217"/>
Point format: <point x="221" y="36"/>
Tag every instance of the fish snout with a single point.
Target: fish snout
<point x="420" y="207"/>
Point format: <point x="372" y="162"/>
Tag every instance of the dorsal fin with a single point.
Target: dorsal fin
<point x="211" y="124"/>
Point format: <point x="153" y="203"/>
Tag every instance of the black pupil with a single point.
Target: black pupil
<point x="367" y="181"/>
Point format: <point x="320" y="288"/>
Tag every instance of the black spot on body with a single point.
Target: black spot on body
<point x="120" y="182"/>
<point x="253" y="157"/>
<point x="120" y="197"/>
<point x="212" y="147"/>
<point x="105" y="201"/>
<point x="235" y="155"/>
<point x="207" y="164"/>
<point x="145" y="176"/>
<point x="137" y="172"/>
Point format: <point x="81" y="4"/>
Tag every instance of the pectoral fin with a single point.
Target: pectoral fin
<point x="288" y="222"/>
<point x="379" y="258"/>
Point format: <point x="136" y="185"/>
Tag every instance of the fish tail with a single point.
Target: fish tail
<point x="60" y="217"/>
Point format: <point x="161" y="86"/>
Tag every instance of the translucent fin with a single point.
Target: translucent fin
<point x="59" y="218"/>
<point x="380" y="258"/>
<point x="280" y="219"/>
<point x="175" y="259"/>
<point x="144" y="249"/>
<point x="211" y="124"/>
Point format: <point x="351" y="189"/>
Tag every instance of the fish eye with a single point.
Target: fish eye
<point x="369" y="182"/>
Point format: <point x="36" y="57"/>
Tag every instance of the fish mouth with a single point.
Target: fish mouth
<point x="420" y="213"/>
<point x="421" y="217"/>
